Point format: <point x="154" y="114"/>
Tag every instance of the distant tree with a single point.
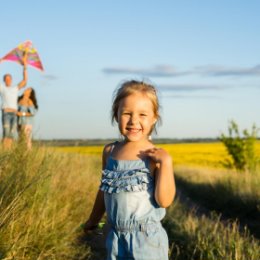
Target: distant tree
<point x="241" y="148"/>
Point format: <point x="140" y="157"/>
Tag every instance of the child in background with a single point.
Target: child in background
<point x="137" y="181"/>
<point x="27" y="106"/>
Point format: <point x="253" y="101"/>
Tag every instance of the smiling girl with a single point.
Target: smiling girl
<point x="137" y="179"/>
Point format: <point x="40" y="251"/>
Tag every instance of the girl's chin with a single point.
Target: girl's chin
<point x="132" y="138"/>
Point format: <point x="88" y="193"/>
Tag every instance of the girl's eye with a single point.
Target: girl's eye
<point x="126" y="113"/>
<point x="143" y="115"/>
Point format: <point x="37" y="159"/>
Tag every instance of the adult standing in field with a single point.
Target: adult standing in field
<point x="9" y="96"/>
<point x="27" y="106"/>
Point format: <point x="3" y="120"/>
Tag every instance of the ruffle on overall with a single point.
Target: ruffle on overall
<point x="126" y="180"/>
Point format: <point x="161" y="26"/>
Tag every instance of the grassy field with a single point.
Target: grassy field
<point x="234" y="195"/>
<point x="44" y="198"/>
<point x="46" y="194"/>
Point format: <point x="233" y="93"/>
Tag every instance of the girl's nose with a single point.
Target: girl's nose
<point x="133" y="119"/>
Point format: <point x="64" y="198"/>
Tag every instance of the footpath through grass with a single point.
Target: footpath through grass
<point x="207" y="238"/>
<point x="233" y="194"/>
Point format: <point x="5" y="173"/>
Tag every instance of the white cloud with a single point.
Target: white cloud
<point x="213" y="70"/>
<point x="190" y="87"/>
<point x="191" y="97"/>
<point x="170" y="71"/>
<point x="157" y="71"/>
<point x="50" y="77"/>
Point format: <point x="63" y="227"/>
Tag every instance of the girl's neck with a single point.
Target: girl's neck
<point x="140" y="143"/>
<point x="25" y="100"/>
<point x="131" y="150"/>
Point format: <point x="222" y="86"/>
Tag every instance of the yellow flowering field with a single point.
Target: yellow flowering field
<point x="197" y="154"/>
<point x="189" y="154"/>
<point x="90" y="150"/>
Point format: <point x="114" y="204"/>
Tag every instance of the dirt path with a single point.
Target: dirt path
<point x="191" y="204"/>
<point x="200" y="210"/>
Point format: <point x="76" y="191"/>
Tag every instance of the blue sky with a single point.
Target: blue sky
<point x="203" y="56"/>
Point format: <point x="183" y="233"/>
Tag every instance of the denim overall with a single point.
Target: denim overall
<point x="132" y="212"/>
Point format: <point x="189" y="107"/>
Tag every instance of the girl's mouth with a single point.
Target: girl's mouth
<point x="133" y="130"/>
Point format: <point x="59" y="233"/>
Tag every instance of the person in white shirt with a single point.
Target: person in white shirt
<point x="9" y="96"/>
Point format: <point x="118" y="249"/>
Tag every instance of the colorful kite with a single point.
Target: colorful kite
<point x="17" y="54"/>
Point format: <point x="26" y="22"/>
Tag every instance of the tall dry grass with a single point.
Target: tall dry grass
<point x="45" y="196"/>
<point x="43" y="199"/>
<point x="234" y="194"/>
<point x="207" y="238"/>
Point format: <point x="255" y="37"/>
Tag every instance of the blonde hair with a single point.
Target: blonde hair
<point x="127" y="88"/>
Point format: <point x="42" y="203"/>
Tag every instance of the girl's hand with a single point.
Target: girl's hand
<point x="88" y="226"/>
<point x="164" y="181"/>
<point x="158" y="155"/>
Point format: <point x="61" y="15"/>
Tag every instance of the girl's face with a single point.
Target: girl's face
<point x="27" y="92"/>
<point x="136" y="117"/>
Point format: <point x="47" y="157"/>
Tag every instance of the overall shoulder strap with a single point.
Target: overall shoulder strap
<point x="113" y="146"/>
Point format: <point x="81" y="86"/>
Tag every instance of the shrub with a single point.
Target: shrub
<point x="241" y="148"/>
